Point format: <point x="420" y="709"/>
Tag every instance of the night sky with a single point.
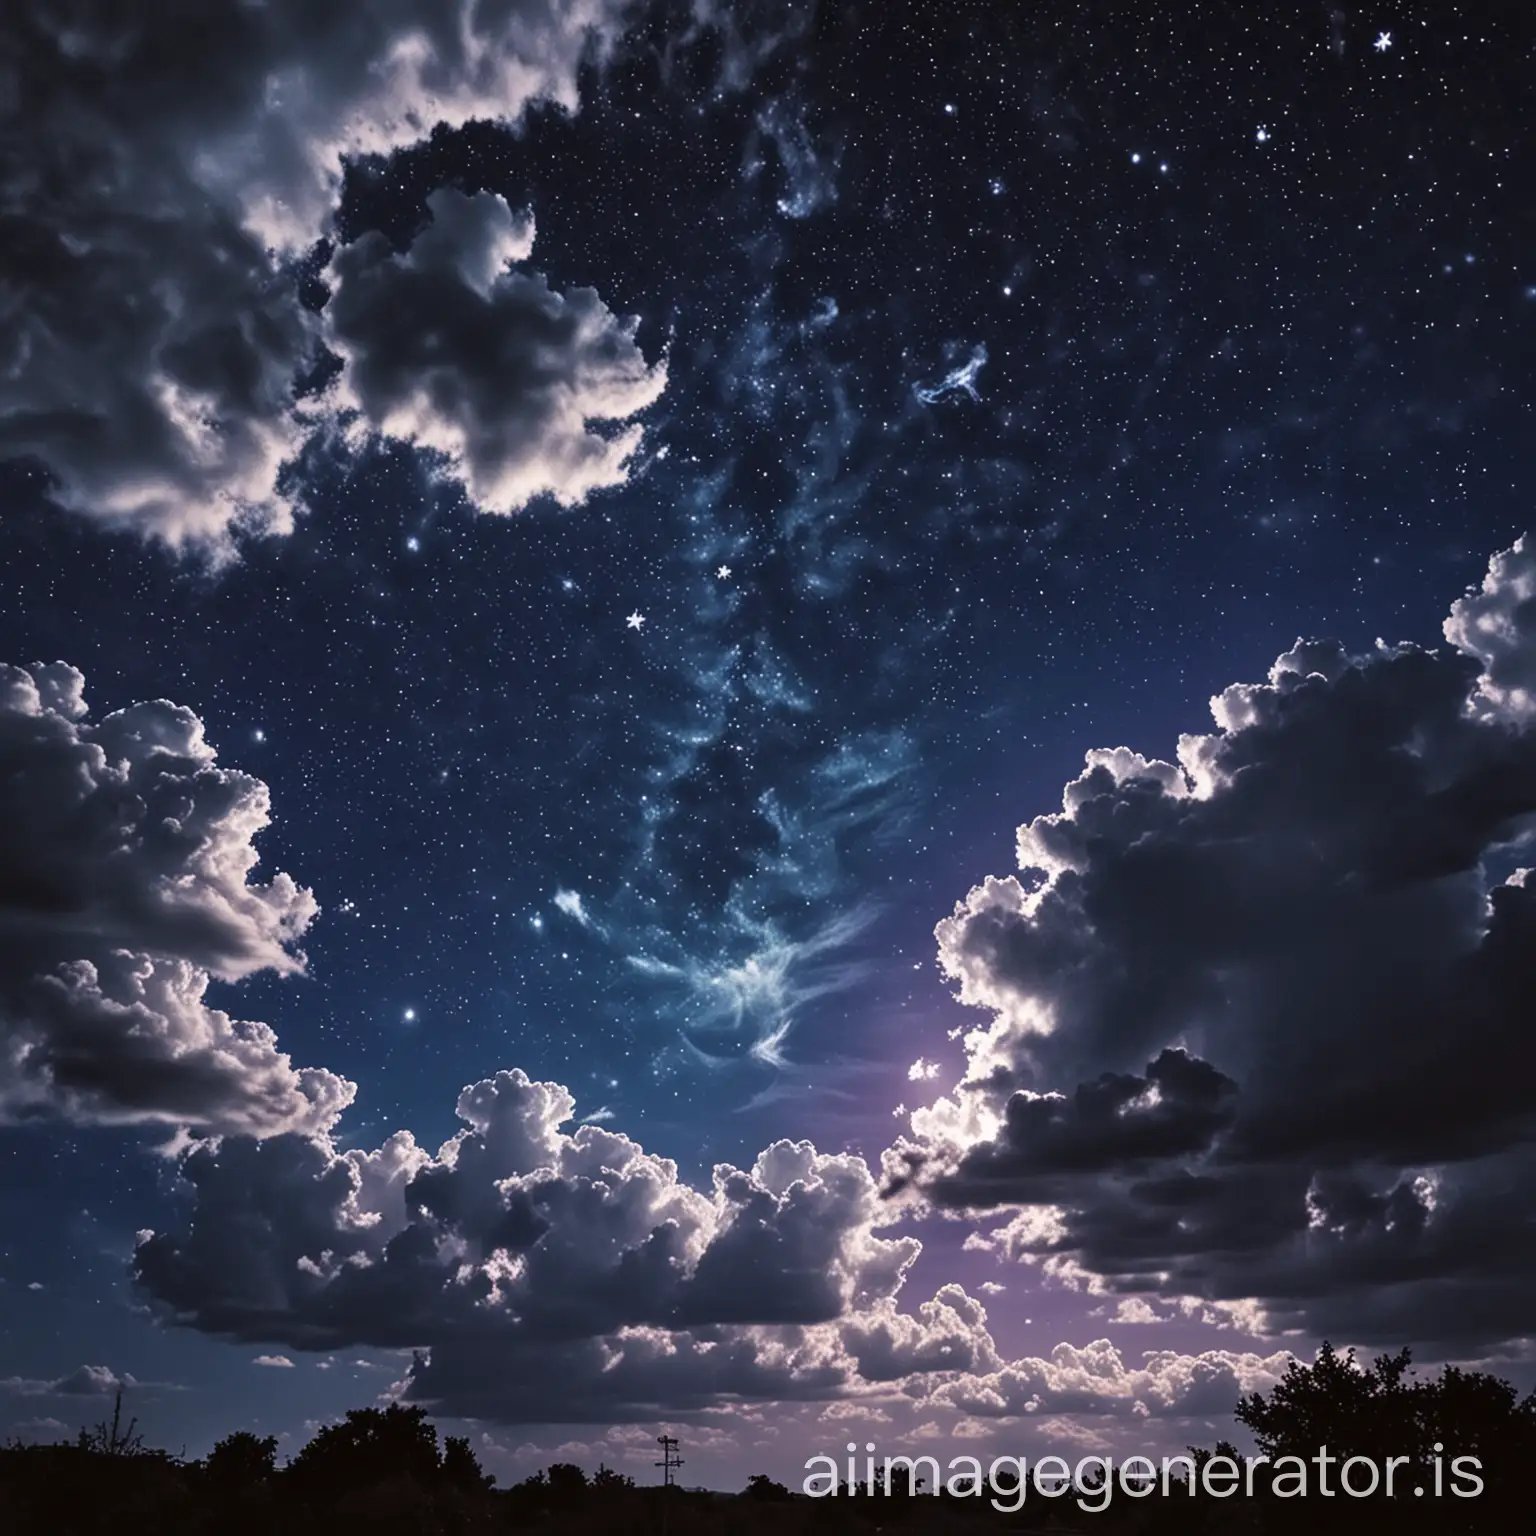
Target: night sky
<point x="559" y="552"/>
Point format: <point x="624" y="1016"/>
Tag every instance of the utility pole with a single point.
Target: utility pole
<point x="670" y="1460"/>
<point x="669" y="1463"/>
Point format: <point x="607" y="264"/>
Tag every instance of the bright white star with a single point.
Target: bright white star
<point x="410" y="1015"/>
<point x="258" y="734"/>
<point x="1383" y="42"/>
<point x="635" y="621"/>
<point x="413" y="544"/>
<point x="724" y="573"/>
<point x="1263" y="135"/>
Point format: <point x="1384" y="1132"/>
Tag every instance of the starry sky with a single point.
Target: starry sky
<point x="555" y="561"/>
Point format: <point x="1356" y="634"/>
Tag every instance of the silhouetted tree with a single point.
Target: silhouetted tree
<point x="567" y="1482"/>
<point x="241" y="1460"/>
<point x="1354" y="1410"/>
<point x="370" y="1446"/>
<point x="900" y="1483"/>
<point x="1381" y="1412"/>
<point x="113" y="1439"/>
<point x="764" y="1489"/>
<point x="461" y="1467"/>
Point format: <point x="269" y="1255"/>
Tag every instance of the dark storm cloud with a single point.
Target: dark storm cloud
<point x="156" y="169"/>
<point x="1049" y="1141"/>
<point x="448" y="347"/>
<point x="125" y="887"/>
<point x="1295" y="925"/>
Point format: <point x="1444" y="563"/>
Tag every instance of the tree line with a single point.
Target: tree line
<point x="385" y="1471"/>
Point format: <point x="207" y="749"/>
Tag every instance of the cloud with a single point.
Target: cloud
<point x="545" y="1276"/>
<point x="276" y="1362"/>
<point x="1133" y="1310"/>
<point x="91" y="1381"/>
<point x="158" y="178"/>
<point x="572" y="1277"/>
<point x="37" y="1430"/>
<point x="540" y="1275"/>
<point x="635" y="1375"/>
<point x="1497" y="624"/>
<point x="1258" y="1016"/>
<point x="83" y="1381"/>
<point x="520" y="1255"/>
<point x="948" y="1334"/>
<point x="514" y="1227"/>
<point x="1049" y="1141"/>
<point x="1096" y="1380"/>
<point x="126" y="888"/>
<point x="450" y="348"/>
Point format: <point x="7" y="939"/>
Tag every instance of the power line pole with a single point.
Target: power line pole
<point x="670" y="1460"/>
<point x="669" y="1463"/>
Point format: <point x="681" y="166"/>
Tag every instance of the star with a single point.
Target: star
<point x="635" y="621"/>
<point x="724" y="573"/>
<point x="258" y="734"/>
<point x="1383" y="41"/>
<point x="1263" y="135"/>
<point x="410" y="1015"/>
